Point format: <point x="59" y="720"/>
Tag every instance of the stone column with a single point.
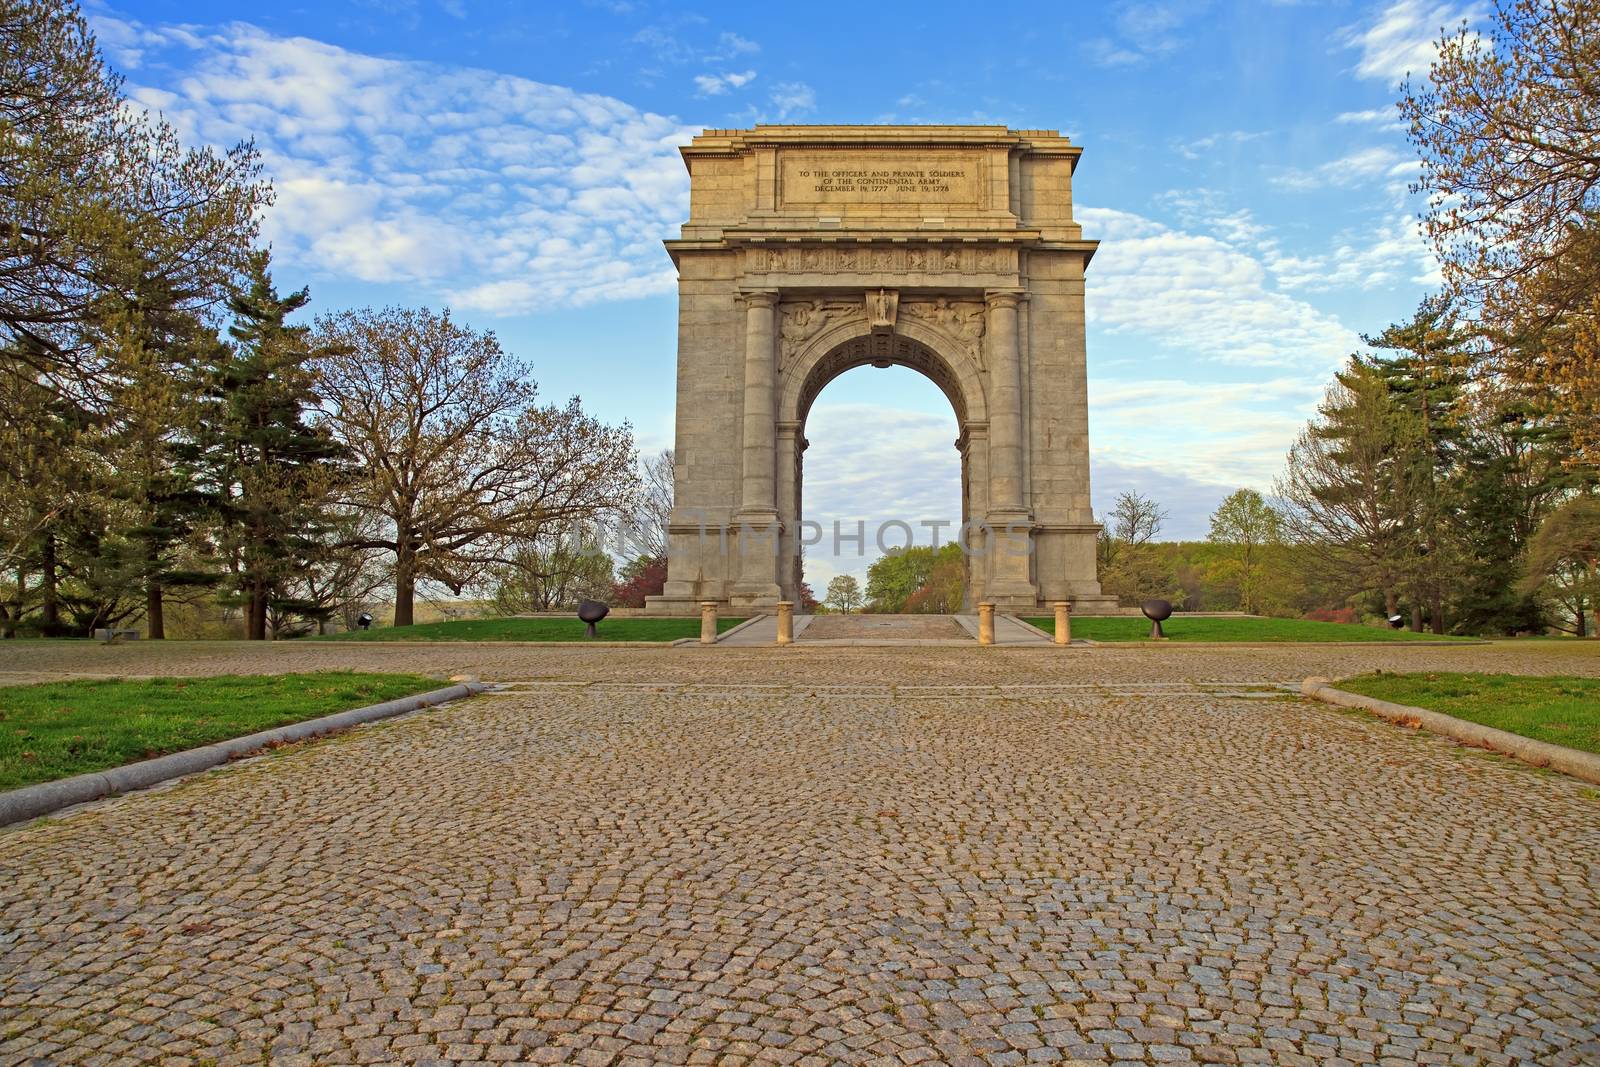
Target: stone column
<point x="708" y="622"/>
<point x="1063" y="622"/>
<point x="789" y="447"/>
<point x="785" y="622"/>
<point x="758" y="493"/>
<point x="985" y="624"/>
<point x="1010" y="582"/>
<point x="1005" y="404"/>
<point x="757" y="587"/>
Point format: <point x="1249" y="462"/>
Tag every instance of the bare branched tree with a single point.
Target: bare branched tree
<point x="455" y="452"/>
<point x="648" y="525"/>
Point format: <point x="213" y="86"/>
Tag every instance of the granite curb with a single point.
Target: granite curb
<point x="32" y="801"/>
<point x="1579" y="764"/>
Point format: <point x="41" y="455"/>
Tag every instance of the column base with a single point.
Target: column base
<point x="1095" y="605"/>
<point x="762" y="600"/>
<point x="674" y="606"/>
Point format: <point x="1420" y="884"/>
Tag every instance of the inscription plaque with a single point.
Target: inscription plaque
<point x="812" y="179"/>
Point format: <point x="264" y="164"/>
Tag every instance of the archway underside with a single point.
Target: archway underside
<point x="882" y="350"/>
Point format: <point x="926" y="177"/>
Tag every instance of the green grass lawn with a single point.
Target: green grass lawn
<point x="1183" y="628"/>
<point x="1563" y="711"/>
<point x="59" y="729"/>
<point x="649" y="629"/>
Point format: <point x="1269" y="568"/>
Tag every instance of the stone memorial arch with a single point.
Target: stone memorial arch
<point x="811" y="250"/>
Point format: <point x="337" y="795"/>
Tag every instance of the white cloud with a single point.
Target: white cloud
<point x="1246" y="428"/>
<point x="1373" y="162"/>
<point x="1383" y="118"/>
<point x="717" y="84"/>
<point x="1201" y="294"/>
<point x="1403" y="38"/>
<point x="1204" y="146"/>
<point x="734" y="45"/>
<point x="1145" y="30"/>
<point x="1388" y="253"/>
<point x="793" y="98"/>
<point x="491" y="191"/>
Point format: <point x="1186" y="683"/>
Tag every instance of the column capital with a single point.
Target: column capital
<point x="759" y="298"/>
<point x="1003" y="298"/>
<point x="790" y="429"/>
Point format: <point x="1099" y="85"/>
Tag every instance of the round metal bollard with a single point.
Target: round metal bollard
<point x="785" y="622"/>
<point x="1157" y="611"/>
<point x="1063" y="622"/>
<point x="985" y="624"/>
<point x="708" y="622"/>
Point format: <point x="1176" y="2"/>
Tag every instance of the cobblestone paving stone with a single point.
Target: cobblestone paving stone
<point x="931" y="856"/>
<point x="22" y="661"/>
<point x="893" y="627"/>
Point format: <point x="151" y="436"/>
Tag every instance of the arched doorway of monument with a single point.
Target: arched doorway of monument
<point x="875" y="453"/>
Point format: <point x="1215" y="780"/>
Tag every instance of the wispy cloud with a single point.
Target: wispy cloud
<point x="1205" y="146"/>
<point x="1378" y="161"/>
<point x="1381" y="117"/>
<point x="1201" y="294"/>
<point x="717" y="84"/>
<point x="1144" y="30"/>
<point x="1403" y="38"/>
<point x="489" y="191"/>
<point x="790" y="99"/>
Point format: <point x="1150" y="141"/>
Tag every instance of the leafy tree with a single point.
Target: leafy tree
<point x="1248" y="527"/>
<point x="1349" y="498"/>
<point x="1507" y="125"/>
<point x="1130" y="567"/>
<point x="944" y="589"/>
<point x="1564" y="562"/>
<point x="1508" y="128"/>
<point x="43" y="474"/>
<point x="844" y="593"/>
<point x="454" y="451"/>
<point x="642" y="576"/>
<point x="274" y="469"/>
<point x="808" y="599"/>
<point x="917" y="579"/>
<point x="91" y="182"/>
<point x="549" y="573"/>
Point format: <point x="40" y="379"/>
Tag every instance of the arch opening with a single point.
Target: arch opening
<point x="888" y="464"/>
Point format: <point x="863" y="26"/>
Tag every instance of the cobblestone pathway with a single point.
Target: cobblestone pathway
<point x="884" y="627"/>
<point x="886" y="861"/>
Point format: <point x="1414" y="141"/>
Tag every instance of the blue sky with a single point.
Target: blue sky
<point x="1242" y="165"/>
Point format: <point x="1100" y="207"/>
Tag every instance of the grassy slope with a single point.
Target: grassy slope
<point x="646" y="629"/>
<point x="1181" y="628"/>
<point x="1563" y="711"/>
<point x="59" y="729"/>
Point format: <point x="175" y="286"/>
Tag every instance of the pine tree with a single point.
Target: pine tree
<point x="158" y="357"/>
<point x="274" y="470"/>
<point x="1426" y="387"/>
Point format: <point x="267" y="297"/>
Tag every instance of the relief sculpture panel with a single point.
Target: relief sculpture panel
<point x="961" y="320"/>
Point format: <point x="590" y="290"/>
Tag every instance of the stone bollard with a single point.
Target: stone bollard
<point x="1063" y="622"/>
<point x="785" y="622"/>
<point x="708" y="622"/>
<point x="985" y="624"/>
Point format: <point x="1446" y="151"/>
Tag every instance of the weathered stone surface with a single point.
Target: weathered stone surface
<point x="811" y="250"/>
<point x="936" y="855"/>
